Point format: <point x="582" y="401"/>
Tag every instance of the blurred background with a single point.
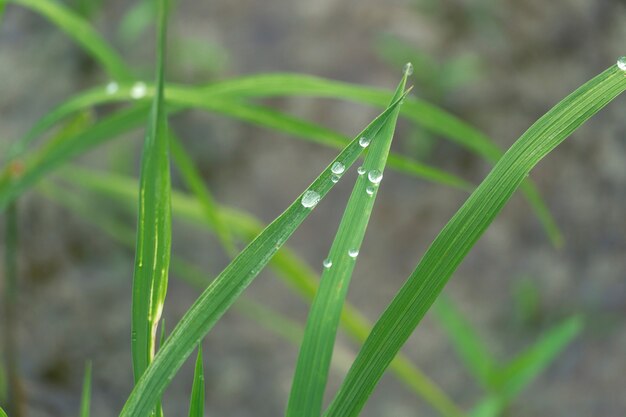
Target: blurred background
<point x="499" y="65"/>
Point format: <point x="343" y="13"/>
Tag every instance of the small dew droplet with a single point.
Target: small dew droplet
<point x="112" y="87"/>
<point x="138" y="90"/>
<point x="338" y="168"/>
<point x="364" y="142"/>
<point x="408" y="69"/>
<point x="353" y="253"/>
<point x="369" y="190"/>
<point x="335" y="179"/>
<point x="621" y="63"/>
<point x="361" y="170"/>
<point x="310" y="199"/>
<point x="327" y="263"/>
<point x="375" y="176"/>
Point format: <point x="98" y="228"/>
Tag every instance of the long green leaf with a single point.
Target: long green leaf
<point x="461" y="233"/>
<point x="311" y="374"/>
<point x="296" y="273"/>
<point x="185" y="97"/>
<point x="2" y="413"/>
<point x="154" y="230"/>
<point x="85" y="403"/>
<point x="467" y="343"/>
<point x="225" y="289"/>
<point x="196" y="403"/>
<point x="81" y="31"/>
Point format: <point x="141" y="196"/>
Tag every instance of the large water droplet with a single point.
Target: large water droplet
<point x="621" y="63"/>
<point x="338" y="168"/>
<point x="353" y="253"/>
<point x="310" y="199"/>
<point x="138" y="90"/>
<point x="375" y="176"/>
<point x="408" y="69"/>
<point x="327" y="263"/>
<point x="112" y="87"/>
<point x="370" y="190"/>
<point x="364" y="142"/>
<point x="361" y="170"/>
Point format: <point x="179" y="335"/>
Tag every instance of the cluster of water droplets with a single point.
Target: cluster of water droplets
<point x="337" y="169"/>
<point x="310" y="199"/>
<point x="621" y="63"/>
<point x="374" y="177"/>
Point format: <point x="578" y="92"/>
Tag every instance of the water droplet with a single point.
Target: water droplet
<point x="408" y="69"/>
<point x="112" y="87"/>
<point x="621" y="63"/>
<point x="310" y="199"/>
<point x="327" y="263"/>
<point x="361" y="170"/>
<point x="338" y="168"/>
<point x="370" y="190"/>
<point x="375" y="176"/>
<point x="138" y="90"/>
<point x="364" y="142"/>
<point x="335" y="179"/>
<point x="353" y="253"/>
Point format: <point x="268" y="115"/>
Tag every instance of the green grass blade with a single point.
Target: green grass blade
<point x="525" y="367"/>
<point x="85" y="403"/>
<point x="466" y="342"/>
<point x="154" y="230"/>
<point x="225" y="289"/>
<point x="196" y="403"/>
<point x="311" y="373"/>
<point x="81" y="31"/>
<point x="194" y="182"/>
<point x="462" y="231"/>
<point x="14" y="182"/>
<point x="2" y="413"/>
<point x="185" y="97"/>
<point x="296" y="273"/>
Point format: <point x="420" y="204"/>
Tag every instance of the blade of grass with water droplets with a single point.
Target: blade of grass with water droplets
<point x="225" y="289"/>
<point x="298" y="275"/>
<point x="85" y="402"/>
<point x="154" y="224"/>
<point x="196" y="403"/>
<point x="82" y="32"/>
<point x="461" y="233"/>
<point x="311" y="373"/>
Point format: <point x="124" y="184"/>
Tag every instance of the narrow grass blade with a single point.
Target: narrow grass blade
<point x="82" y="32"/>
<point x="19" y="176"/>
<point x="2" y="413"/>
<point x="85" y="403"/>
<point x="461" y="233"/>
<point x="196" y="403"/>
<point x="525" y="367"/>
<point x="298" y="275"/>
<point x="466" y="342"/>
<point x="183" y="97"/>
<point x="154" y="230"/>
<point x="225" y="289"/>
<point x="311" y="373"/>
<point x="194" y="182"/>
